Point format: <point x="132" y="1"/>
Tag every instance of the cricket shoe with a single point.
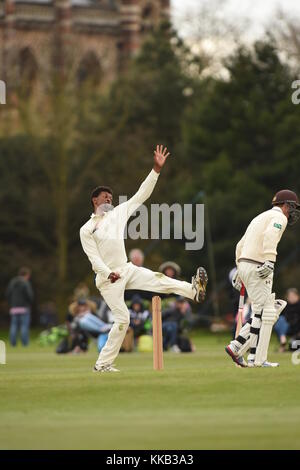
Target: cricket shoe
<point x="240" y="361"/>
<point x="264" y="364"/>
<point x="270" y="364"/>
<point x="199" y="283"/>
<point x="107" y="368"/>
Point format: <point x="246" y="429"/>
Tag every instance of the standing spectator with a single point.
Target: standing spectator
<point x="288" y="323"/>
<point x="19" y="294"/>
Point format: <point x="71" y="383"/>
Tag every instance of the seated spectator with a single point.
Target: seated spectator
<point x="83" y="313"/>
<point x="81" y="291"/>
<point x="170" y="269"/>
<point x="136" y="256"/>
<point x="139" y="317"/>
<point x="288" y="323"/>
<point x="172" y="320"/>
<point x="77" y="340"/>
<point x="173" y="270"/>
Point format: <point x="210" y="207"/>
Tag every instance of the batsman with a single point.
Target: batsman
<point x="255" y="258"/>
<point x="102" y="239"/>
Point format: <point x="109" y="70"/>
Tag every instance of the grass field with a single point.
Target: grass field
<point x="200" y="401"/>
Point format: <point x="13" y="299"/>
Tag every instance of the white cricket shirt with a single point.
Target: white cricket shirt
<point x="102" y="237"/>
<point x="262" y="236"/>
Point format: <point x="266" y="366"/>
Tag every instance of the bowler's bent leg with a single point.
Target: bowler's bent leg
<point x="113" y="295"/>
<point x="145" y="279"/>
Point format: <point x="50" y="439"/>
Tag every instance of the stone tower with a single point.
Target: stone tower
<point x="100" y="35"/>
<point x="137" y="18"/>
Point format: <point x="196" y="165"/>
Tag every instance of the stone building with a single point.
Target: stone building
<point x="90" y="38"/>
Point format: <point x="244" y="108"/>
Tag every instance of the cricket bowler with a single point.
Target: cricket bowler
<point x="102" y="239"/>
<point x="255" y="258"/>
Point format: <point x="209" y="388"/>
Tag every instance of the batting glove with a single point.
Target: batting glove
<point x="236" y="281"/>
<point x="265" y="270"/>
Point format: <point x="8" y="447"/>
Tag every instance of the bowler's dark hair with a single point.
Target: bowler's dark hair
<point x="98" y="190"/>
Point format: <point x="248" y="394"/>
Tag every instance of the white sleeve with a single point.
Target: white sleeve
<point x="143" y="193"/>
<point x="90" y="248"/>
<point x="272" y="236"/>
<point x="238" y="250"/>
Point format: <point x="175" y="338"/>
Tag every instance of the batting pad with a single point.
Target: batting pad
<point x="245" y="347"/>
<point x="269" y="316"/>
<point x="279" y="306"/>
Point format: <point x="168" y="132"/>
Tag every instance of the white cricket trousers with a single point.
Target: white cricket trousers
<point x="132" y="277"/>
<point x="258" y="291"/>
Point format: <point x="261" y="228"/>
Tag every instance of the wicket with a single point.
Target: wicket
<point x="158" y="360"/>
<point x="2" y="353"/>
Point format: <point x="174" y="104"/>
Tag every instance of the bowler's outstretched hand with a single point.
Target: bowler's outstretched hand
<point x="160" y="156"/>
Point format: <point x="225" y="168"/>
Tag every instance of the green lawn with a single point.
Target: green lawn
<point x="200" y="401"/>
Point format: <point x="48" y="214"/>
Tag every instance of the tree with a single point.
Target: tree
<point x="285" y="29"/>
<point x="85" y="137"/>
<point x="241" y="140"/>
<point x="145" y="106"/>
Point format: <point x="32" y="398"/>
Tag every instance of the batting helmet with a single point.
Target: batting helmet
<point x="291" y="199"/>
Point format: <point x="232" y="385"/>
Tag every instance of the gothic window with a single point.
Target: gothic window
<point x="28" y="69"/>
<point x="89" y="70"/>
<point x="150" y="15"/>
<point x="147" y="11"/>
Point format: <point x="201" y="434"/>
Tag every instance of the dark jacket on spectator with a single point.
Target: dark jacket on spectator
<point x="142" y="315"/>
<point x="19" y="293"/>
<point x="292" y="315"/>
<point x="172" y="314"/>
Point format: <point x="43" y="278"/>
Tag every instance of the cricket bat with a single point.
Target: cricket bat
<point x="240" y="311"/>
